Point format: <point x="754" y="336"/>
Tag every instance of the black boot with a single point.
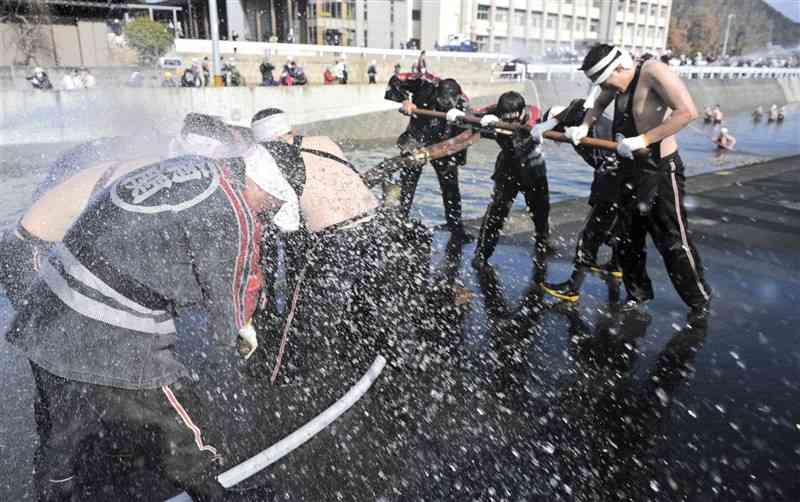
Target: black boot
<point x="565" y="291"/>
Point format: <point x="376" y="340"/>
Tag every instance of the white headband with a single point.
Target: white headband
<point x="607" y="65"/>
<point x="271" y="127"/>
<point x="260" y="167"/>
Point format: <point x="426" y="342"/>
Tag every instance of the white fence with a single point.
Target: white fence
<point x="195" y="46"/>
<point x="571" y="72"/>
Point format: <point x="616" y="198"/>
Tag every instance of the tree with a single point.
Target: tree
<point x="149" y="38"/>
<point x="28" y="20"/>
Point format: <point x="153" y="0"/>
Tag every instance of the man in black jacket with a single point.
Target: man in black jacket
<point x="520" y="167"/>
<point x="423" y="90"/>
<point x="98" y="325"/>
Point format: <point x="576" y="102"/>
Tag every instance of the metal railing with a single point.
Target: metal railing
<point x="570" y="72"/>
<point x="196" y="46"/>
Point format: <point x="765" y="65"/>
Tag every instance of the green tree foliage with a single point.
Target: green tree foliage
<point x="149" y="38"/>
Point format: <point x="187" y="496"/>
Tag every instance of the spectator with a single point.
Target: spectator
<point x="169" y="80"/>
<point x="87" y="79"/>
<point x="397" y="69"/>
<point x="71" y="81"/>
<point x="205" y="68"/>
<point x="232" y="75"/>
<point x="136" y="80"/>
<point x="422" y="65"/>
<point x="341" y="72"/>
<point x="267" y="77"/>
<point x="273" y="39"/>
<point x="234" y="35"/>
<point x="191" y="79"/>
<point x="290" y="38"/>
<point x="716" y="115"/>
<point x="40" y="80"/>
<point x="298" y="74"/>
<point x="372" y="71"/>
<point x="328" y="77"/>
<point x="171" y="27"/>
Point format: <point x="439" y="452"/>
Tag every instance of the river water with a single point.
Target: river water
<point x="23" y="167"/>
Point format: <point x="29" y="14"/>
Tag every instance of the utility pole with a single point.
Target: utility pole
<point x="727" y="33"/>
<point x="213" y="18"/>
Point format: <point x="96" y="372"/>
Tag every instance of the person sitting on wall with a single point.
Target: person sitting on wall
<point x="40" y="80"/>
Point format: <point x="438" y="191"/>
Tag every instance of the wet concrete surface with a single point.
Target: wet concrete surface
<point x="517" y="397"/>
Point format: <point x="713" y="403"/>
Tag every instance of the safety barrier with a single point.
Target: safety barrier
<point x="571" y="72"/>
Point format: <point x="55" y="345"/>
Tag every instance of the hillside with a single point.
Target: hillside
<point x="699" y="25"/>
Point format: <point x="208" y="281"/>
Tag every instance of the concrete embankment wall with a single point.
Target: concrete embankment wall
<point x="353" y="111"/>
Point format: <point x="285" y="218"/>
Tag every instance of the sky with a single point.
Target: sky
<point x="789" y="8"/>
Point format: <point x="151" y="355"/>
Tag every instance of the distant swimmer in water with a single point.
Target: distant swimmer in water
<point x="773" y="114"/>
<point x="724" y="140"/>
<point x="716" y="115"/>
<point x="708" y="114"/>
<point x="758" y="113"/>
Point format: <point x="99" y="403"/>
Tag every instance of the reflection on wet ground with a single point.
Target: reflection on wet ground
<point x="516" y="397"/>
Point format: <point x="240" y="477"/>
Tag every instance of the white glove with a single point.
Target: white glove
<point x="626" y="146"/>
<point x="539" y="129"/>
<point x="488" y="120"/>
<point x="249" y="342"/>
<point x="537" y="132"/>
<point x="454" y="115"/>
<point x="576" y="134"/>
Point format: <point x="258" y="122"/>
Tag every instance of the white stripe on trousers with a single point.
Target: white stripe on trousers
<point x="684" y="237"/>
<point x="187" y="420"/>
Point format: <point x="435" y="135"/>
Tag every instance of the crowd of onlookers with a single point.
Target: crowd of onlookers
<point x="73" y="79"/>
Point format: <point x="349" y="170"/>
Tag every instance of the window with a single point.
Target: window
<point x="651" y="31"/>
<point x="366" y="39"/>
<point x="640" y="32"/>
<point x="519" y="17"/>
<point x="594" y="25"/>
<point x="664" y="10"/>
<point x="642" y="9"/>
<point x="632" y="7"/>
<point x="483" y="12"/>
<point x="351" y="10"/>
<point x="580" y="24"/>
<point x="653" y="10"/>
<point x="568" y="2"/>
<point x="536" y="19"/>
<point x="596" y="4"/>
<point x="416" y="15"/>
<point x="618" y="31"/>
<point x="552" y="19"/>
<point x="501" y="15"/>
<point x="365" y="13"/>
<point x="660" y="34"/>
<point x="630" y="31"/>
<point x="482" y="41"/>
<point x="331" y="9"/>
<point x="566" y="22"/>
<point x="621" y="6"/>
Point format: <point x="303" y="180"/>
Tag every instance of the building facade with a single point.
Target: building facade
<point x="519" y="27"/>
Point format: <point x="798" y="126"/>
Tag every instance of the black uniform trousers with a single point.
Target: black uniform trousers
<point x="601" y="227"/>
<point x="506" y="189"/>
<point x="446" y="169"/>
<point x="653" y="201"/>
<point x="169" y="424"/>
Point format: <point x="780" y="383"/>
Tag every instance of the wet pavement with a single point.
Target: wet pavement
<point x="517" y="397"/>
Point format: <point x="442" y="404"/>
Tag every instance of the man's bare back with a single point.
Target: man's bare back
<point x="333" y="192"/>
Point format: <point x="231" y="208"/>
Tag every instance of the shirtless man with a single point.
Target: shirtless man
<point x="652" y="105"/>
<point x="359" y="265"/>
